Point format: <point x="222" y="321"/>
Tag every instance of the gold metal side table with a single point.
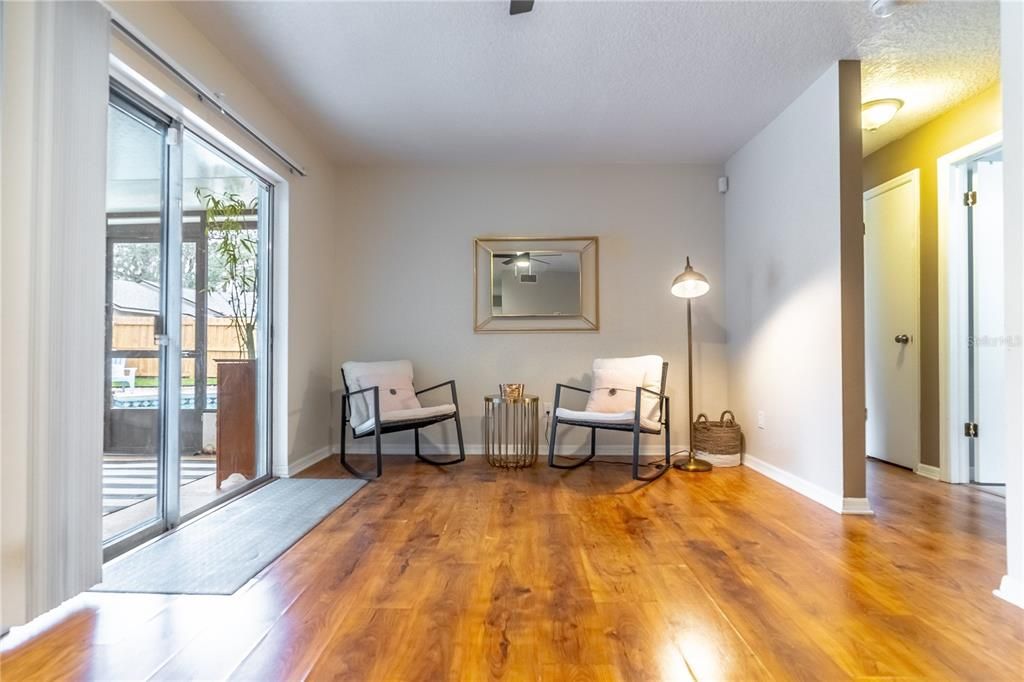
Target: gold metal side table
<point x="511" y="431"/>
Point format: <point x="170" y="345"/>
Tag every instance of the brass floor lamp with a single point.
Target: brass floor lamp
<point x="690" y="284"/>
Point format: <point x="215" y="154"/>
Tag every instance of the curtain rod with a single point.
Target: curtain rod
<point x="202" y="92"/>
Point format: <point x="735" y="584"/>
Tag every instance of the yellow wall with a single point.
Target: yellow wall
<point x="977" y="117"/>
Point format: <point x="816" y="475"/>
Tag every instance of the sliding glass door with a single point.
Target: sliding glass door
<point x="136" y="286"/>
<point x="188" y="298"/>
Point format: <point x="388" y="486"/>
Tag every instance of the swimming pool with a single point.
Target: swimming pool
<point x="149" y="399"/>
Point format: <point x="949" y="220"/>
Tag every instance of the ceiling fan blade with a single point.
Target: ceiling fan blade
<point x="509" y="261"/>
<point x="519" y="7"/>
<point x="538" y="260"/>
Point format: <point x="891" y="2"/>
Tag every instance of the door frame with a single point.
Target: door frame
<point x="273" y="377"/>
<point x="954" y="450"/>
<point x="912" y="177"/>
<point x="169" y="101"/>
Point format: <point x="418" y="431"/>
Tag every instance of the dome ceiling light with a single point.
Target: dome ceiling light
<point x="878" y="112"/>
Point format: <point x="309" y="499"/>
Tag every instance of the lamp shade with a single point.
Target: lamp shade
<point x="690" y="283"/>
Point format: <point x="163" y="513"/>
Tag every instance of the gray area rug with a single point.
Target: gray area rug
<point x="223" y="550"/>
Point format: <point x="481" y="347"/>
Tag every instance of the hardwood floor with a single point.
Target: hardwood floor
<point x="472" y="573"/>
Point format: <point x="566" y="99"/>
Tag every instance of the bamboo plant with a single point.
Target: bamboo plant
<point x="235" y="245"/>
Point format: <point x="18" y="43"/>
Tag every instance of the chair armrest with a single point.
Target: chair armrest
<point x="450" y="383"/>
<point x="435" y="387"/>
<point x="346" y="403"/>
<point x="558" y="393"/>
<point x="348" y="395"/>
<point x="662" y="402"/>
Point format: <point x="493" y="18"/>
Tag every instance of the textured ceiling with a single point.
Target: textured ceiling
<point x="931" y="56"/>
<point x="430" y="82"/>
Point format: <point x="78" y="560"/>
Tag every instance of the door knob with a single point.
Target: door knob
<point x="902" y="338"/>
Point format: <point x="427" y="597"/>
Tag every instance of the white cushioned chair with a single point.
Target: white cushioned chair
<point x="379" y="398"/>
<point x="628" y="394"/>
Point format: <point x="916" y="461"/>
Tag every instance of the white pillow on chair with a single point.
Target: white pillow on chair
<point x="396" y="392"/>
<point x="613" y="390"/>
<point x="625" y="375"/>
<point x="355" y="371"/>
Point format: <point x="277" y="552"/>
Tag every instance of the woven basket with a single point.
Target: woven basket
<point x="723" y="437"/>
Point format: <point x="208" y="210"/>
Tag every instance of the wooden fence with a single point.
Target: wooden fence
<point x="135" y="332"/>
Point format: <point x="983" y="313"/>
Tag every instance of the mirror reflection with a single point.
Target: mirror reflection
<point x="535" y="284"/>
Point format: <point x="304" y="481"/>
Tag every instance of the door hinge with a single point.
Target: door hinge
<point x="970" y="198"/>
<point x="970" y="430"/>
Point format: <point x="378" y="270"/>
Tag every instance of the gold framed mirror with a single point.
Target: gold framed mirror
<point x="535" y="284"/>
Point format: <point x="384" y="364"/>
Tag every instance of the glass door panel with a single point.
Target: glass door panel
<point x="224" y="297"/>
<point x="132" y="445"/>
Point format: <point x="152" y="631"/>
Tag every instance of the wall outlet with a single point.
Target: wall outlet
<point x="762" y="421"/>
<point x="547" y="409"/>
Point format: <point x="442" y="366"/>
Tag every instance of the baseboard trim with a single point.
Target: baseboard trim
<point x="857" y="506"/>
<point x="928" y="471"/>
<point x="1011" y="590"/>
<point x="804" y="487"/>
<point x="303" y="463"/>
<point x="366" y="447"/>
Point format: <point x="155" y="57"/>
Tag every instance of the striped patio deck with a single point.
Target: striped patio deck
<point x="130" y="479"/>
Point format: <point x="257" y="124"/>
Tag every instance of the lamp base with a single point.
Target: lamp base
<point x="693" y="465"/>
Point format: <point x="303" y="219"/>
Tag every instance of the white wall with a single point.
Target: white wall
<point x="310" y="209"/>
<point x="783" y="287"/>
<point x="1012" y="587"/>
<point x="403" y="277"/>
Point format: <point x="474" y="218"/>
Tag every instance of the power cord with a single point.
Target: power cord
<point x="657" y="464"/>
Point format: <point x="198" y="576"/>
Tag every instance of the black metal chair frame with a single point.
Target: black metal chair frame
<point x="635" y="427"/>
<point x="381" y="428"/>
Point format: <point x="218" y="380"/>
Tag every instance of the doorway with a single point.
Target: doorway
<point x="985" y="425"/>
<point x="187" y="400"/>
<point x="973" y="343"/>
<point x="892" y="310"/>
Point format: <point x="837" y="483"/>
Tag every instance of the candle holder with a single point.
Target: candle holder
<point x="511" y="391"/>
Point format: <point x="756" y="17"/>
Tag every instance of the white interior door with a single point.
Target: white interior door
<point x="892" y="320"/>
<point x="988" y="333"/>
